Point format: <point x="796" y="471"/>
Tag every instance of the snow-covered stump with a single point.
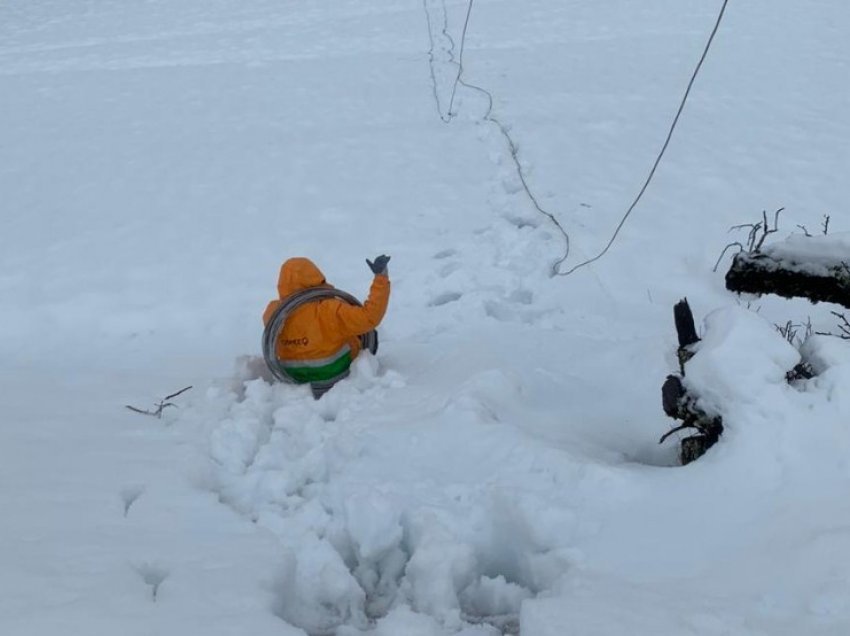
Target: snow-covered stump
<point x="813" y="267"/>
<point x="682" y="406"/>
<point x="679" y="404"/>
<point x="740" y="365"/>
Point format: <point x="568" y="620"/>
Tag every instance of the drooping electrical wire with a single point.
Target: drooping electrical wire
<point x="660" y="156"/>
<point x="513" y="147"/>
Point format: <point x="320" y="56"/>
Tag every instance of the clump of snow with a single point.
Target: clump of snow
<point x="440" y="567"/>
<point x="741" y="359"/>
<point x="820" y="255"/>
<point x="461" y="553"/>
<point x="493" y="597"/>
<point x="402" y="621"/>
<point x="374" y="532"/>
<point x="373" y="526"/>
<point x="315" y="590"/>
<point x="824" y="352"/>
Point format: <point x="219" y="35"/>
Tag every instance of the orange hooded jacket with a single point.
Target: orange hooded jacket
<point x="320" y="339"/>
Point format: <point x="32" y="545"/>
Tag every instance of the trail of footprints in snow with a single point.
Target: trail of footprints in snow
<point x="445" y="271"/>
<point x="511" y="306"/>
<point x="283" y="457"/>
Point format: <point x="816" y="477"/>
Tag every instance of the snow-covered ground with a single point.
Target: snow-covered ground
<point x="495" y="469"/>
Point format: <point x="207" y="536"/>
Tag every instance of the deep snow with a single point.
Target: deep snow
<point x="496" y="467"/>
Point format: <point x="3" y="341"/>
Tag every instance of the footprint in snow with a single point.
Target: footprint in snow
<point x="445" y="254"/>
<point x="448" y="269"/>
<point x="129" y="495"/>
<point x="445" y="299"/>
<point x="153" y="574"/>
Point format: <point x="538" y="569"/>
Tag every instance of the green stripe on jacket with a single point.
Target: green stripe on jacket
<point x="304" y="374"/>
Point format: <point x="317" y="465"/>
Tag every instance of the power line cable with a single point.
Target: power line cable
<point x="514" y="149"/>
<point x="663" y="148"/>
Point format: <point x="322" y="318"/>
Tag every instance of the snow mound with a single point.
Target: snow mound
<point x="369" y="531"/>
<point x="445" y="516"/>
<point x="740" y="360"/>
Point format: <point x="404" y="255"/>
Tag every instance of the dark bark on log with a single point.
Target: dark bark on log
<point x="672" y="394"/>
<point x="695" y="447"/>
<point x="761" y="274"/>
<point x="676" y="401"/>
<point x="679" y="405"/>
<point x="802" y="371"/>
<point x="685" y="327"/>
<point x="686" y="331"/>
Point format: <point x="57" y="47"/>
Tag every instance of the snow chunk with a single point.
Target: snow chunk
<point x="815" y="255"/>
<point x="315" y="590"/>
<point x="441" y="566"/>
<point x="824" y="352"/>
<point x="493" y="597"/>
<point x="373" y="525"/>
<point x="740" y="357"/>
<point x="404" y="621"/>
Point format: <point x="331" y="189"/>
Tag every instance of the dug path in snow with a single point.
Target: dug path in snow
<point x="495" y="468"/>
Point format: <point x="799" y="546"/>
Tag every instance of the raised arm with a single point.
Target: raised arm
<point x="355" y="321"/>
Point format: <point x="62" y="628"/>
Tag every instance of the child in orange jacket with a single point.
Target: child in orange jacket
<point x="320" y="339"/>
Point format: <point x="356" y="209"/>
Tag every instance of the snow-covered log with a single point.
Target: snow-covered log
<point x="681" y="405"/>
<point x="813" y="267"/>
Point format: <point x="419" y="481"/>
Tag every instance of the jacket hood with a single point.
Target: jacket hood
<point x="298" y="274"/>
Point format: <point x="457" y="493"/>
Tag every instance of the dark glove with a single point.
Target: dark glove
<point x="380" y="264"/>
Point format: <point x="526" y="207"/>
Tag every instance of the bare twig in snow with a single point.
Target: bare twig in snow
<point x="789" y="331"/>
<point x="766" y="229"/>
<point x="161" y="406"/>
<point x="726" y="249"/>
<point x="843" y="326"/>
<point x="756" y="236"/>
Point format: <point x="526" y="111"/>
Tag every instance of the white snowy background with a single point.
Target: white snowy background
<point x="495" y="469"/>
